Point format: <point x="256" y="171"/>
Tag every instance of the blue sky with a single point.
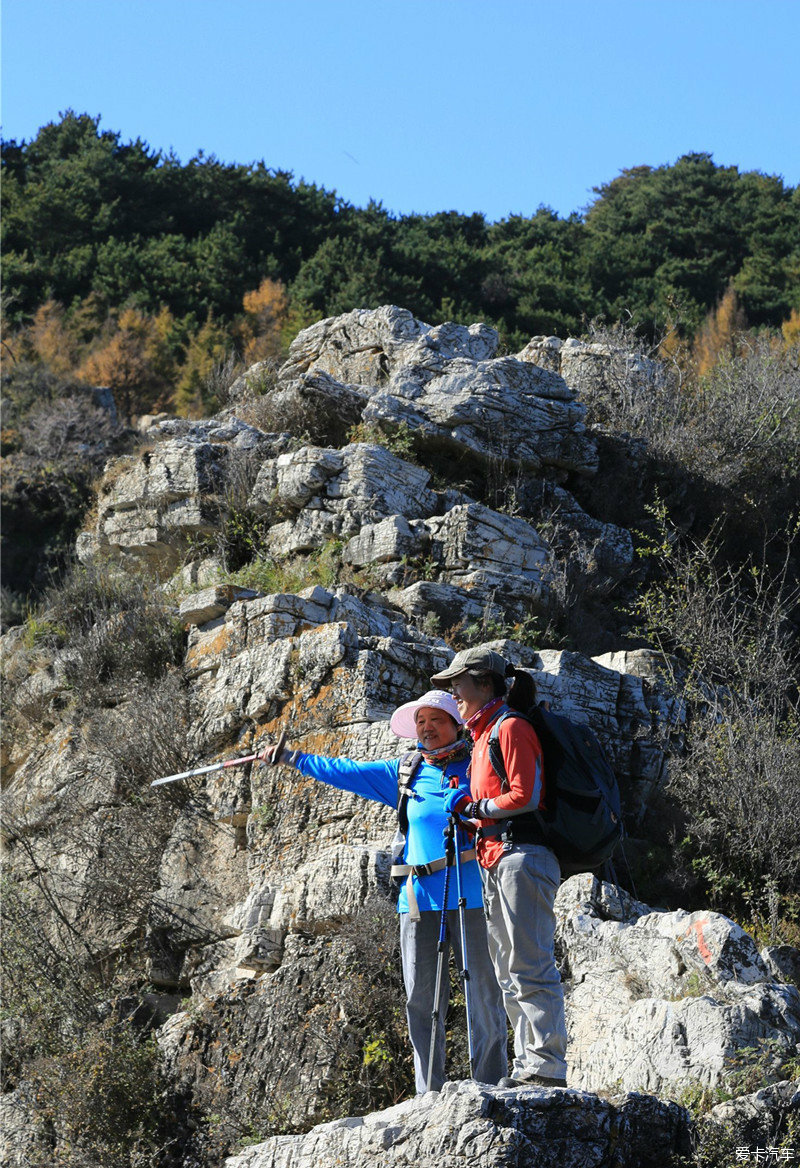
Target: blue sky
<point x="497" y="106"/>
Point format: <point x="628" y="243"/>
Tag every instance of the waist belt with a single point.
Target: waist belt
<point x="520" y="830"/>
<point x="411" y="870"/>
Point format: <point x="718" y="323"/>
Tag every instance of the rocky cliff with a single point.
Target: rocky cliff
<point x="248" y="909"/>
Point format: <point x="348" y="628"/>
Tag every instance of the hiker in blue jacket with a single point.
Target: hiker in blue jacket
<point x="443" y="760"/>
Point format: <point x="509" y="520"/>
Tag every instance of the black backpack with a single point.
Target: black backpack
<point x="582" y="818"/>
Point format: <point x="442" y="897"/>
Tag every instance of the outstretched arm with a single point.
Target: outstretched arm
<point x="372" y="780"/>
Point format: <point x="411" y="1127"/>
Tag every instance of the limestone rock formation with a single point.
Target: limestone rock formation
<point x="330" y="668"/>
<point x="443" y="382"/>
<point x="764" y="1119"/>
<point x="381" y="507"/>
<point x="657" y="1000"/>
<point x="467" y="1123"/>
<point x="589" y="368"/>
<point x="365" y="347"/>
<point x="153" y="503"/>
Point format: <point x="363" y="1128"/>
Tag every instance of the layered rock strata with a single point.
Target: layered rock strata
<point x="467" y="1123"/>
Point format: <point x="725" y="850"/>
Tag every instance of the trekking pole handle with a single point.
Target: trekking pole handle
<point x="450" y="838"/>
<point x="274" y="750"/>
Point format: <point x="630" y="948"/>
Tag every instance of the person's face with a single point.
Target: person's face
<point x="470" y="695"/>
<point x="435" y="728"/>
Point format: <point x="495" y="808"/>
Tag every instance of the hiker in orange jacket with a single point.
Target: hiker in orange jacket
<point x="520" y="874"/>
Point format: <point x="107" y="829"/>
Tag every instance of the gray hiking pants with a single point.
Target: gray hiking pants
<point x="518" y="896"/>
<point x="419" y="944"/>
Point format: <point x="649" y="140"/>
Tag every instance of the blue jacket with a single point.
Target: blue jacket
<point x="426" y="819"/>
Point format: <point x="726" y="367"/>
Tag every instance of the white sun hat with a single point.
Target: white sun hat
<point x="403" y="723"/>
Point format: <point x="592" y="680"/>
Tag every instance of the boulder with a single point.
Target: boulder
<point x="292" y="1031"/>
<point x="501" y="409"/>
<point x="591" y="368"/>
<point x="201" y="607"/>
<point x="360" y="484"/>
<point x="447" y="604"/>
<point x="466" y="1123"/>
<point x="152" y="503"/>
<point x="445" y="383"/>
<point x="389" y="541"/>
<point x="657" y="1001"/>
<point x="764" y="1120"/>
<point x="783" y="962"/>
<point x="366" y="346"/>
<point x="490" y="553"/>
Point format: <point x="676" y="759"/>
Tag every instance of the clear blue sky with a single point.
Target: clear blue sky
<point x="496" y="106"/>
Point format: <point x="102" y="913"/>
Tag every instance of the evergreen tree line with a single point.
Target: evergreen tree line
<point x="126" y="267"/>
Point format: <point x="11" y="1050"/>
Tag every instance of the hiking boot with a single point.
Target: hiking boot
<point x="527" y="1079"/>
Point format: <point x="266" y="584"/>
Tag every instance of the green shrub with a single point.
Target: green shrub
<point x="115" y="629"/>
<point x="728" y="632"/>
<point x="101" y="1101"/>
<point x="292" y="574"/>
<point x="400" y="439"/>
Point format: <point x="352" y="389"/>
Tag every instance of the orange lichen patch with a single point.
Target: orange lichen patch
<point x="304" y="627"/>
<point x="65" y="742"/>
<point x="322" y="742"/>
<point x="308" y="629"/>
<point x="329" y="705"/>
<point x="299" y="785"/>
<point x="207" y="645"/>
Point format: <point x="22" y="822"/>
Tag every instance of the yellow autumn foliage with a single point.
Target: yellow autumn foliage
<point x="719" y="334"/>
<point x="134" y="359"/>
<point x="261" y="331"/>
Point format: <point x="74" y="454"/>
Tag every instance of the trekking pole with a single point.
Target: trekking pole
<point x="462" y="904"/>
<point x="441" y="952"/>
<point x="275" y="750"/>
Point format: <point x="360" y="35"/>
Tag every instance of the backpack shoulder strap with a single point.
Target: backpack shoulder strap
<point x="495" y="750"/>
<point x="409" y="765"/>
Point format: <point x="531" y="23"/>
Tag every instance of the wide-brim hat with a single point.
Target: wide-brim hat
<point x="475" y="662"/>
<point x="403" y="723"/>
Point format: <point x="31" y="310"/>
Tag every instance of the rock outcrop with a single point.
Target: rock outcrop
<point x="764" y="1119"/>
<point x="445" y="383"/>
<point x="590" y="368"/>
<point x="467" y="1123"/>
<point x="330" y="668"/>
<point x="658" y="1001"/>
<point x="153" y="504"/>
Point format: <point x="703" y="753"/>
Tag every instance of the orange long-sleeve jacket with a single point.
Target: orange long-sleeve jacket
<point x="524" y="791"/>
